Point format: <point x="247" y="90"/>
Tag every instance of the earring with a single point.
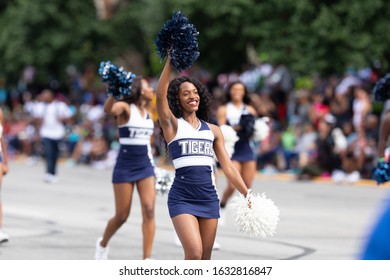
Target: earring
<point x="142" y="92"/>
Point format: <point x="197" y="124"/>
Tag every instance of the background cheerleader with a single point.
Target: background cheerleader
<point x="244" y="156"/>
<point x="134" y="167"/>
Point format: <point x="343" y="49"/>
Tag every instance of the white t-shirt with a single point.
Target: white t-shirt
<point x="95" y="113"/>
<point x="50" y="113"/>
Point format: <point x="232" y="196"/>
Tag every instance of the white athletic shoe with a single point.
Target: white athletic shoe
<point x="3" y="237"/>
<point x="50" y="178"/>
<point x="101" y="253"/>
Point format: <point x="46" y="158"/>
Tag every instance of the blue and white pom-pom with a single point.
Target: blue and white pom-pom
<point x="164" y="180"/>
<point x="382" y="172"/>
<point x="262" y="129"/>
<point x="119" y="81"/>
<point x="230" y="137"/>
<point x="259" y="219"/>
<point x="381" y="89"/>
<point x="178" y="37"/>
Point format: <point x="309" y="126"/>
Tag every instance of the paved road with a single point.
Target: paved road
<point x="319" y="220"/>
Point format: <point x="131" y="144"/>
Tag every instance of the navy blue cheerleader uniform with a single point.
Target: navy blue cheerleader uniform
<point x="244" y="149"/>
<point x="193" y="190"/>
<point x="135" y="159"/>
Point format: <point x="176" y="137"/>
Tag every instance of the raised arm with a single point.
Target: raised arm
<point x="109" y="104"/>
<point x="119" y="109"/>
<point x="228" y="168"/>
<point x="166" y="118"/>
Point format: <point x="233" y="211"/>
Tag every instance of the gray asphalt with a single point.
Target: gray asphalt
<point x="318" y="220"/>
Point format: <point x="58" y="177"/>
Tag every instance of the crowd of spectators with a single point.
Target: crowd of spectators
<point x="319" y="126"/>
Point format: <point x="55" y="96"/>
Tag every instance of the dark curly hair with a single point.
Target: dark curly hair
<point x="205" y="101"/>
<point x="246" y="99"/>
<point x="136" y="89"/>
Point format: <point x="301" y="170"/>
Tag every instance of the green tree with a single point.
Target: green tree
<point x="307" y="36"/>
<point x="49" y="35"/>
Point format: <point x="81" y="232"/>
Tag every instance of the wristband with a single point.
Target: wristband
<point x="382" y="159"/>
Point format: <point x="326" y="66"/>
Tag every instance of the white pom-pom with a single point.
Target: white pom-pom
<point x="230" y="136"/>
<point x="164" y="179"/>
<point x="261" y="129"/>
<point x="259" y="219"/>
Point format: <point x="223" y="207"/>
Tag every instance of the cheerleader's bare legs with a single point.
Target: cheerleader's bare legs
<point x="197" y="235"/>
<point x="123" y="193"/>
<point x="147" y="195"/>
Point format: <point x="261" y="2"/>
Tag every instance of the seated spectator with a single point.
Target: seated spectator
<point x="341" y="108"/>
<point x="361" y="107"/>
<point x="269" y="148"/>
<point x="305" y="144"/>
<point x="326" y="158"/>
<point x="263" y="104"/>
<point x="349" y="132"/>
<point x="318" y="109"/>
<point x="82" y="148"/>
<point x="349" y="172"/>
<point x="288" y="139"/>
<point x="371" y="127"/>
<point x="98" y="152"/>
<point x="92" y="149"/>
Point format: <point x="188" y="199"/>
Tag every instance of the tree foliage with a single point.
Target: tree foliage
<point x="308" y="36"/>
<point x="48" y="35"/>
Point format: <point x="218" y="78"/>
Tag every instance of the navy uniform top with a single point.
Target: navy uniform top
<point x="138" y="130"/>
<point x="192" y="154"/>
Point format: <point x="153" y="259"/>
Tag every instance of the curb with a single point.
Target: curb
<point x="291" y="177"/>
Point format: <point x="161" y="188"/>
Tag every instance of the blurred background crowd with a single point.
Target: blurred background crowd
<point x="310" y="66"/>
<point x="319" y="127"/>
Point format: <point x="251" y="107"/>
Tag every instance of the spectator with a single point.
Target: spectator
<point x="269" y="148"/>
<point x="361" y="108"/>
<point x="51" y="116"/>
<point x="305" y="144"/>
<point x="327" y="159"/>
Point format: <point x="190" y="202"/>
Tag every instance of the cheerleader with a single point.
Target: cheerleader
<point x="183" y="107"/>
<point x="244" y="155"/>
<point x="134" y="165"/>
